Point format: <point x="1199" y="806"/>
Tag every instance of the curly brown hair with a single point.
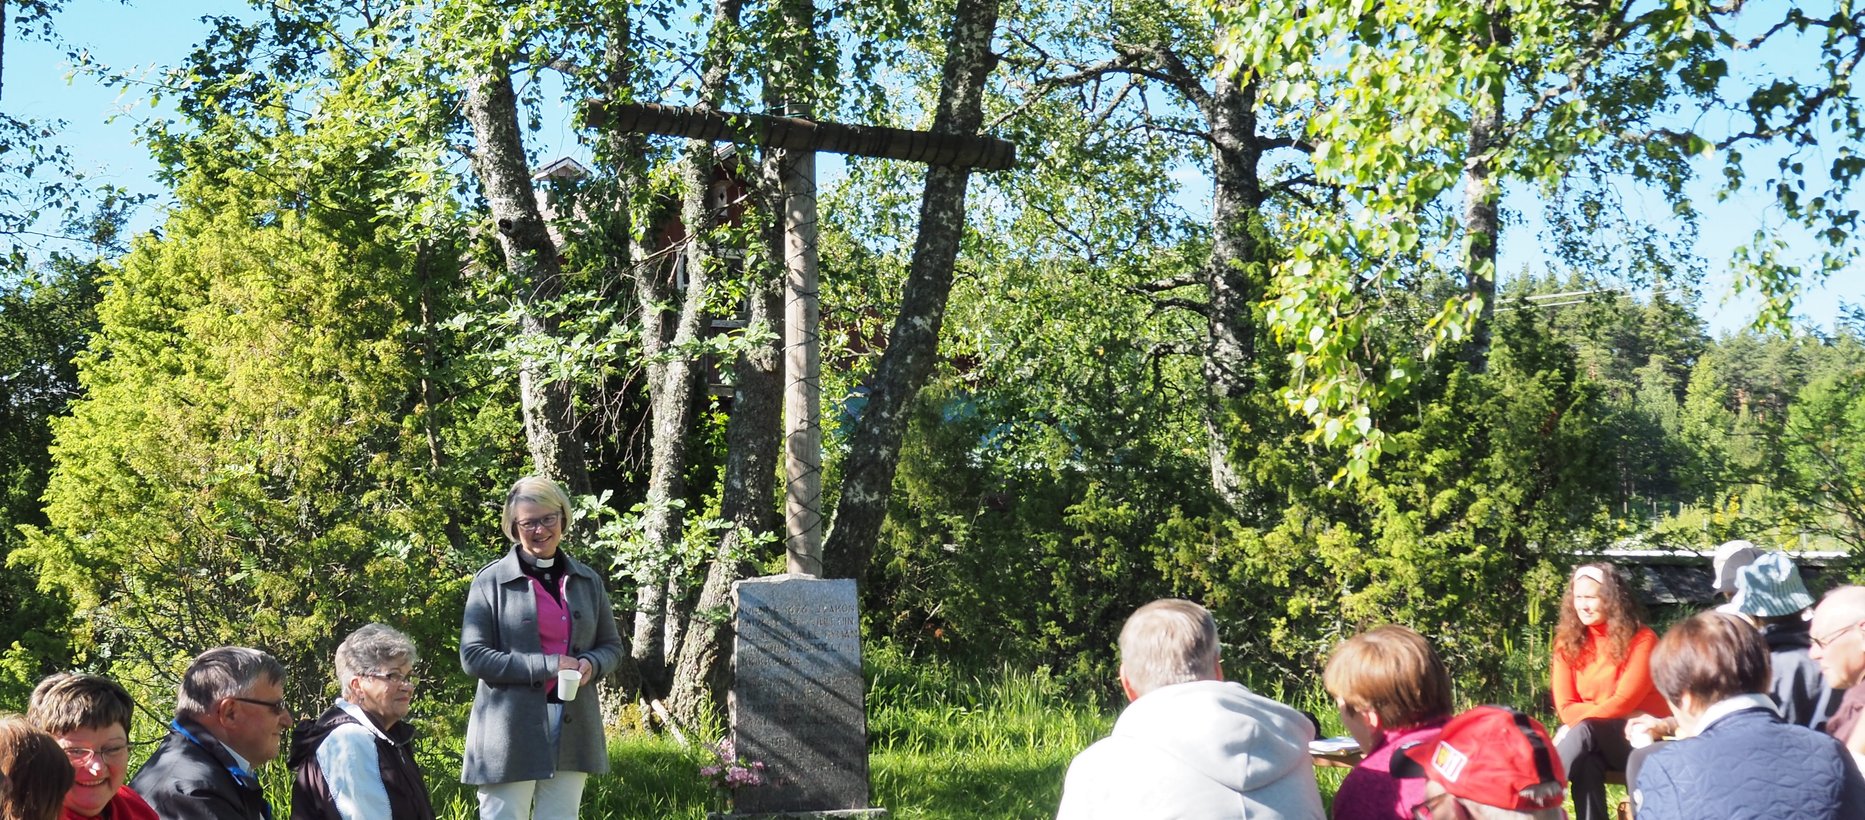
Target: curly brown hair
<point x="1623" y="618"/>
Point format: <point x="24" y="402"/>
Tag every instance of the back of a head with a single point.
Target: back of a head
<point x="1168" y="641"/>
<point x="1710" y="657"/>
<point x="1728" y="559"/>
<point x="221" y="673"/>
<point x="1491" y="756"/>
<point x="1392" y="671"/>
<point x="34" y="772"/>
<point x="70" y="702"/>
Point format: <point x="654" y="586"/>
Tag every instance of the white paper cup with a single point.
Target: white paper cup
<point x="567" y="682"/>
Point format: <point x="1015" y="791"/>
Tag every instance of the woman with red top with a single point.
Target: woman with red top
<point x="1393" y="692"/>
<point x="89" y="717"/>
<point x="1602" y="676"/>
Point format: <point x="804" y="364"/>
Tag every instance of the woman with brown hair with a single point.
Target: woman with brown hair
<point x="34" y="774"/>
<point x="89" y="717"/>
<point x="1601" y="677"/>
<point x="1392" y="691"/>
<point x="1739" y="758"/>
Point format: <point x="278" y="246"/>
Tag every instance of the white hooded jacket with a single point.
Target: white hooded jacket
<point x="1205" y="750"/>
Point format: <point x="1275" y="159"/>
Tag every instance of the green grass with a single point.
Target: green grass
<point x="942" y="744"/>
<point x="947" y="745"/>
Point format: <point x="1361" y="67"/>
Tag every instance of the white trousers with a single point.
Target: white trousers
<point x="553" y="799"/>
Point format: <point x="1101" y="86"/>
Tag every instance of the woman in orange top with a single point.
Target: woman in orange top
<point x="1602" y="676"/>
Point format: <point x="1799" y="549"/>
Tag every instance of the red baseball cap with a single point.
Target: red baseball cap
<point x="1492" y="755"/>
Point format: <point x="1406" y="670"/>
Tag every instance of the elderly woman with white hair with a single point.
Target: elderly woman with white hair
<point x="538" y="628"/>
<point x="356" y="761"/>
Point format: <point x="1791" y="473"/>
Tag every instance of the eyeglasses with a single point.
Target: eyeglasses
<point x="396" y="678"/>
<point x="1834" y="635"/>
<point x="539" y="524"/>
<point x="1428" y="809"/>
<point x="80" y="756"/>
<point x="277" y="706"/>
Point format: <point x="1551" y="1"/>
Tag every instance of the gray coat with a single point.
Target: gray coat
<point x="506" y="738"/>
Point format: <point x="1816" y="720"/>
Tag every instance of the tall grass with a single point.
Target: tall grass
<point x="943" y="743"/>
<point x="946" y="744"/>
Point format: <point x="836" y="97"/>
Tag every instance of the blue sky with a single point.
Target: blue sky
<point x="100" y="126"/>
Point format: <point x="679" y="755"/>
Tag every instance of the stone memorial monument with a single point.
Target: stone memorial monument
<point x="797" y="701"/>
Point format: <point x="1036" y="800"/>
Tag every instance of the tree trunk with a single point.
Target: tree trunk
<point x="430" y="396"/>
<point x="913" y="343"/>
<point x="2" y="41"/>
<point x="1481" y="197"/>
<point x="531" y="257"/>
<point x="619" y="156"/>
<point x="674" y="382"/>
<point x="1236" y="278"/>
<point x="702" y="672"/>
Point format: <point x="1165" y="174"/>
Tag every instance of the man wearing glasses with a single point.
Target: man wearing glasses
<point x="1840" y="649"/>
<point x="230" y="715"/>
<point x="356" y="761"/>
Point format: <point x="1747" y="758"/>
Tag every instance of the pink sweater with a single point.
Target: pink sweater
<point x="1371" y="793"/>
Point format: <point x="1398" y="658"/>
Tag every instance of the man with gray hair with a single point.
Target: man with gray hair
<point x="1838" y="644"/>
<point x="1191" y="744"/>
<point x="230" y="714"/>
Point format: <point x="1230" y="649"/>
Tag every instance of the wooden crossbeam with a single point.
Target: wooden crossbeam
<point x="952" y="150"/>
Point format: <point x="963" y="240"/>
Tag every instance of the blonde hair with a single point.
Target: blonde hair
<point x="1393" y="672"/>
<point x="1168" y="641"/>
<point x="535" y="489"/>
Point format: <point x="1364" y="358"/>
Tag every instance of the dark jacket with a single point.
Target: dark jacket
<point x="192" y="777"/>
<point x="1749" y="765"/>
<point x="1799" y="688"/>
<point x="373" y="771"/>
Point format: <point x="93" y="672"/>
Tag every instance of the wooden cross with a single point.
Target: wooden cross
<point x="802" y="312"/>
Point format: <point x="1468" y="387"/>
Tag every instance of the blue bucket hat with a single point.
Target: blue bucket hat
<point x="1770" y="587"/>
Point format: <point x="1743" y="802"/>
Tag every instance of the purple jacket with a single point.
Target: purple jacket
<point x="1370" y="792"/>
